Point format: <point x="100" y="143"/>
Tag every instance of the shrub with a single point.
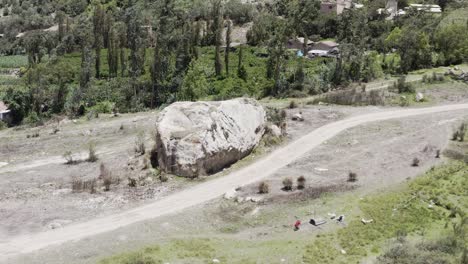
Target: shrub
<point x="3" y="125"/>
<point x="301" y="181"/>
<point x="107" y="183"/>
<point x="68" y="155"/>
<point x="402" y="86"/>
<point x="352" y="177"/>
<point x="437" y="154"/>
<point x="287" y="184"/>
<point x="292" y="104"/>
<point x="92" y="156"/>
<point x="32" y="119"/>
<point x="415" y="162"/>
<point x="140" y="143"/>
<point x="263" y="188"/>
<point x="132" y="182"/>
<point x="77" y="185"/>
<point x="90" y="185"/>
<point x="163" y="177"/>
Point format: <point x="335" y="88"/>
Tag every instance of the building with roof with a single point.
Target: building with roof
<point x="5" y="113"/>
<point x="335" y="6"/>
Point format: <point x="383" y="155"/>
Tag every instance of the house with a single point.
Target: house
<point x="324" y="48"/>
<point x="5" y="114"/>
<point x="435" y="9"/>
<point x="335" y="6"/>
<point x="298" y="43"/>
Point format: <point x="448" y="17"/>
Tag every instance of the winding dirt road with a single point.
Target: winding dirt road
<point x="208" y="190"/>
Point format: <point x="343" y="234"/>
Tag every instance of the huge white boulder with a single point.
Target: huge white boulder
<point x="199" y="138"/>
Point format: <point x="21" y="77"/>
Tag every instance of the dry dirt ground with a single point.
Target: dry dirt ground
<point x="359" y="149"/>
<point x="36" y="184"/>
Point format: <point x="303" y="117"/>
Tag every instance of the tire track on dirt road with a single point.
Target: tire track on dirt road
<point x="208" y="190"/>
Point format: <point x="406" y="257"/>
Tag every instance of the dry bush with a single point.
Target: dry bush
<point x="301" y="182"/>
<point x="132" y="182"/>
<point x="163" y="177"/>
<point x="263" y="188"/>
<point x="68" y="156"/>
<point x="437" y="154"/>
<point x="352" y="177"/>
<point x="415" y="162"/>
<point x="92" y="156"/>
<point x="140" y="143"/>
<point x="310" y="193"/>
<point x="77" y="185"/>
<point x="287" y="184"/>
<point x="90" y="185"/>
<point x="107" y="182"/>
<point x="292" y="104"/>
<point x="459" y="133"/>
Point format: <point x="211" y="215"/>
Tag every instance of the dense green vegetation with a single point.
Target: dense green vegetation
<point x="145" y="54"/>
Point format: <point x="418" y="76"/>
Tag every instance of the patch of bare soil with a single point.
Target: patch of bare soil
<point x="379" y="155"/>
<point x="446" y="93"/>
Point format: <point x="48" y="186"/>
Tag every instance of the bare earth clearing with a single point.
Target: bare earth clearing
<point x="198" y="194"/>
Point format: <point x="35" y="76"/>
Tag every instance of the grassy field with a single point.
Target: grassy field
<point x="11" y="62"/>
<point x="459" y="16"/>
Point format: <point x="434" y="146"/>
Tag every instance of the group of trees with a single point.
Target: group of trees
<point x="141" y="53"/>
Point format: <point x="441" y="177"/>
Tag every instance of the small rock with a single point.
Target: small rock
<point x="298" y="117"/>
<point x="216" y="261"/>
<point x="365" y="221"/>
<point x="230" y="195"/>
<point x="256" y="199"/>
<point x="419" y="97"/>
<point x="274" y="130"/>
<point x="343" y="252"/>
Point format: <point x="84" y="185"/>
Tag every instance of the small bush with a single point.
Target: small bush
<point x="107" y="183"/>
<point x="292" y="104"/>
<point x="287" y="184"/>
<point x="92" y="156"/>
<point x="415" y="162"/>
<point x="140" y="143"/>
<point x="68" y="156"/>
<point x="77" y="185"/>
<point x="437" y="154"/>
<point x="163" y="177"/>
<point x="132" y="182"/>
<point x="90" y="185"/>
<point x="263" y="188"/>
<point x="3" y="125"/>
<point x="301" y="181"/>
<point x="352" y="177"/>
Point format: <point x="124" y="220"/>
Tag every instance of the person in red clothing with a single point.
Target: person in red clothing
<point x="297" y="225"/>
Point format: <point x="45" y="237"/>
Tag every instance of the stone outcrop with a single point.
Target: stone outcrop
<point x="200" y="138"/>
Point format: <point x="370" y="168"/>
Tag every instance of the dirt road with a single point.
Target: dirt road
<point x="209" y="190"/>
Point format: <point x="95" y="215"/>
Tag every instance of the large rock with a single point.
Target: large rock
<point x="199" y="138"/>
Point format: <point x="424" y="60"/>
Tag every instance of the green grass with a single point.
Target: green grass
<point x="405" y="210"/>
<point x="16" y="61"/>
